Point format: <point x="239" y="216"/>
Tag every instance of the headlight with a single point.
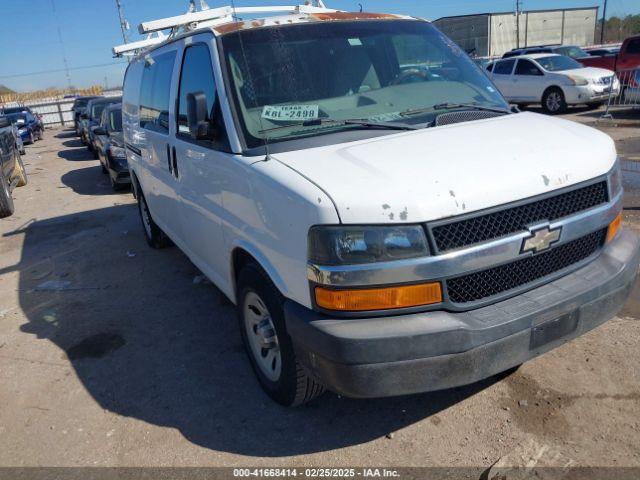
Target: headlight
<point x="615" y="179"/>
<point x="346" y="245"/>
<point x="578" y="81"/>
<point x="22" y="130"/>
<point x="117" y="152"/>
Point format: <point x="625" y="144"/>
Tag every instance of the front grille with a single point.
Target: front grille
<point x="481" y="228"/>
<point x="493" y="281"/>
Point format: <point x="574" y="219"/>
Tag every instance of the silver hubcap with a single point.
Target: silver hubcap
<point x="146" y="217"/>
<point x="554" y="101"/>
<point x="262" y="336"/>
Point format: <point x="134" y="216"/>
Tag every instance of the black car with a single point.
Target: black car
<point x="79" y="104"/>
<point x="109" y="144"/>
<point x="91" y="118"/>
<point x="12" y="171"/>
<point x="570" y="51"/>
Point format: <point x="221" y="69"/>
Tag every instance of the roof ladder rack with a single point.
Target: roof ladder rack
<point x="206" y="17"/>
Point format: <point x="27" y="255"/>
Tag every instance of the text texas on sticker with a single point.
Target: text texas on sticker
<point x="541" y="239"/>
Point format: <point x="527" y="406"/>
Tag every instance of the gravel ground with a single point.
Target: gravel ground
<point x="113" y="354"/>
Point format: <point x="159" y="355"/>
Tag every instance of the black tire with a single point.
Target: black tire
<point x="32" y="139"/>
<point x="553" y="101"/>
<point x="96" y="155"/>
<point x="156" y="238"/>
<point x="104" y="169"/>
<point x="117" y="187"/>
<point x="6" y="200"/>
<point x="41" y="134"/>
<point x="292" y="387"/>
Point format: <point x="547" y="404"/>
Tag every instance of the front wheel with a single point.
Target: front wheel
<point x="6" y="200"/>
<point x="32" y="139"/>
<point x="553" y="101"/>
<point x="270" y="350"/>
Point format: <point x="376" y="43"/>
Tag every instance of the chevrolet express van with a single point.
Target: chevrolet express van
<point x="385" y="223"/>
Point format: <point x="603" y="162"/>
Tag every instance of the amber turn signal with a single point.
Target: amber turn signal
<point x="379" y="298"/>
<point x="614" y="227"/>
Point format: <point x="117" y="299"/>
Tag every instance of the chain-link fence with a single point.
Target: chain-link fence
<point x="629" y="96"/>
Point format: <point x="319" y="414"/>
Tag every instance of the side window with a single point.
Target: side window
<point x="525" y="67"/>
<point x="504" y="67"/>
<point x="490" y="67"/>
<point x="155" y="92"/>
<point x="197" y="76"/>
<point x="634" y="47"/>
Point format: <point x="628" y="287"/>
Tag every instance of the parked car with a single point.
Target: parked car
<point x="29" y="128"/>
<point x="381" y="233"/>
<point x="600" y="52"/>
<point x="627" y="58"/>
<point x="12" y="171"/>
<point x="79" y="104"/>
<point x="110" y="147"/>
<point x="91" y="117"/>
<point x="571" y="51"/>
<point x="555" y="81"/>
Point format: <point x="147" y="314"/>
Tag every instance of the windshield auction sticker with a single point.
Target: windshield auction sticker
<point x="286" y="113"/>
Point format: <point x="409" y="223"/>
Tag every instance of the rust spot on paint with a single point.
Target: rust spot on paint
<point x="230" y="27"/>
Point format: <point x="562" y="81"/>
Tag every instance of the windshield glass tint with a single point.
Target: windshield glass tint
<point x="346" y="70"/>
<point x="115" y="120"/>
<point x="573" y="52"/>
<point x="558" y="63"/>
<point x="96" y="110"/>
<point x="17" y="117"/>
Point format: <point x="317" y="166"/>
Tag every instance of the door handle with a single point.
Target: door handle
<point x="175" y="162"/>
<point x="169" y="159"/>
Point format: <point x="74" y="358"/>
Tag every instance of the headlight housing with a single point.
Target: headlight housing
<point x="578" y="81"/>
<point x="615" y="179"/>
<point x="349" y="245"/>
<point x="117" y="152"/>
<point x="22" y="130"/>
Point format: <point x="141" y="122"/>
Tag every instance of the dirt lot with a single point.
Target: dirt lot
<point x="113" y="354"/>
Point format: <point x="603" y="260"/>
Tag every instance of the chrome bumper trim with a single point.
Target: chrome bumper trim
<point x="462" y="261"/>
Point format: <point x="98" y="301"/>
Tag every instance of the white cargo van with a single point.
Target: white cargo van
<point x="385" y="223"/>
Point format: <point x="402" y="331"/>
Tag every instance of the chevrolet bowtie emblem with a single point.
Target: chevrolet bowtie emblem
<point x="541" y="239"/>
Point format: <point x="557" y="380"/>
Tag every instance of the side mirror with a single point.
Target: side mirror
<point x="197" y="117"/>
<point x="4" y="122"/>
<point x="100" y="131"/>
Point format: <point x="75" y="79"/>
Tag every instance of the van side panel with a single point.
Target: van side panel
<point x="131" y="117"/>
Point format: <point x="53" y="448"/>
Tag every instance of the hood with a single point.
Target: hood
<point x="116" y="139"/>
<point x="455" y="169"/>
<point x="590" y="73"/>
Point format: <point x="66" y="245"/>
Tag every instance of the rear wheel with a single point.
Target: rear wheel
<point x="553" y="101"/>
<point x="156" y="238"/>
<point x="270" y="350"/>
<point x="6" y="200"/>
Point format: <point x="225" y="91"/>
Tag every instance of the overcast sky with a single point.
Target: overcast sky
<point x="37" y="35"/>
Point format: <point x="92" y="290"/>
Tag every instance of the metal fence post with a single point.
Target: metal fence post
<point x="60" y="114"/>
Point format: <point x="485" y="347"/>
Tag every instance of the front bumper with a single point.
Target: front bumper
<point x="397" y="355"/>
<point x="590" y="93"/>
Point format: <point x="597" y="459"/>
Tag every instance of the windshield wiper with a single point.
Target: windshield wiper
<point x="359" y="122"/>
<point x="451" y="105"/>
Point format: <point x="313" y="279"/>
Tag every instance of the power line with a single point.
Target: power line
<point x="42" y="72"/>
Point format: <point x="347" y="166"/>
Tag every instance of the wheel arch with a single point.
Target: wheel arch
<point x="243" y="253"/>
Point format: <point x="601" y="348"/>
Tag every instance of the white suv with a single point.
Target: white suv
<point x="382" y="219"/>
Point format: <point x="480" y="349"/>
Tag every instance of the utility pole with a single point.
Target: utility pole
<point x="124" y="25"/>
<point x="518" y="8"/>
<point x="604" y="21"/>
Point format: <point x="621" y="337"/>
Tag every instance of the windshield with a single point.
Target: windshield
<point x="115" y="121"/>
<point x="80" y="102"/>
<point x="558" y="63"/>
<point x="17" y="117"/>
<point x="573" y="52"/>
<point x="96" y="110"/>
<point x="366" y="70"/>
